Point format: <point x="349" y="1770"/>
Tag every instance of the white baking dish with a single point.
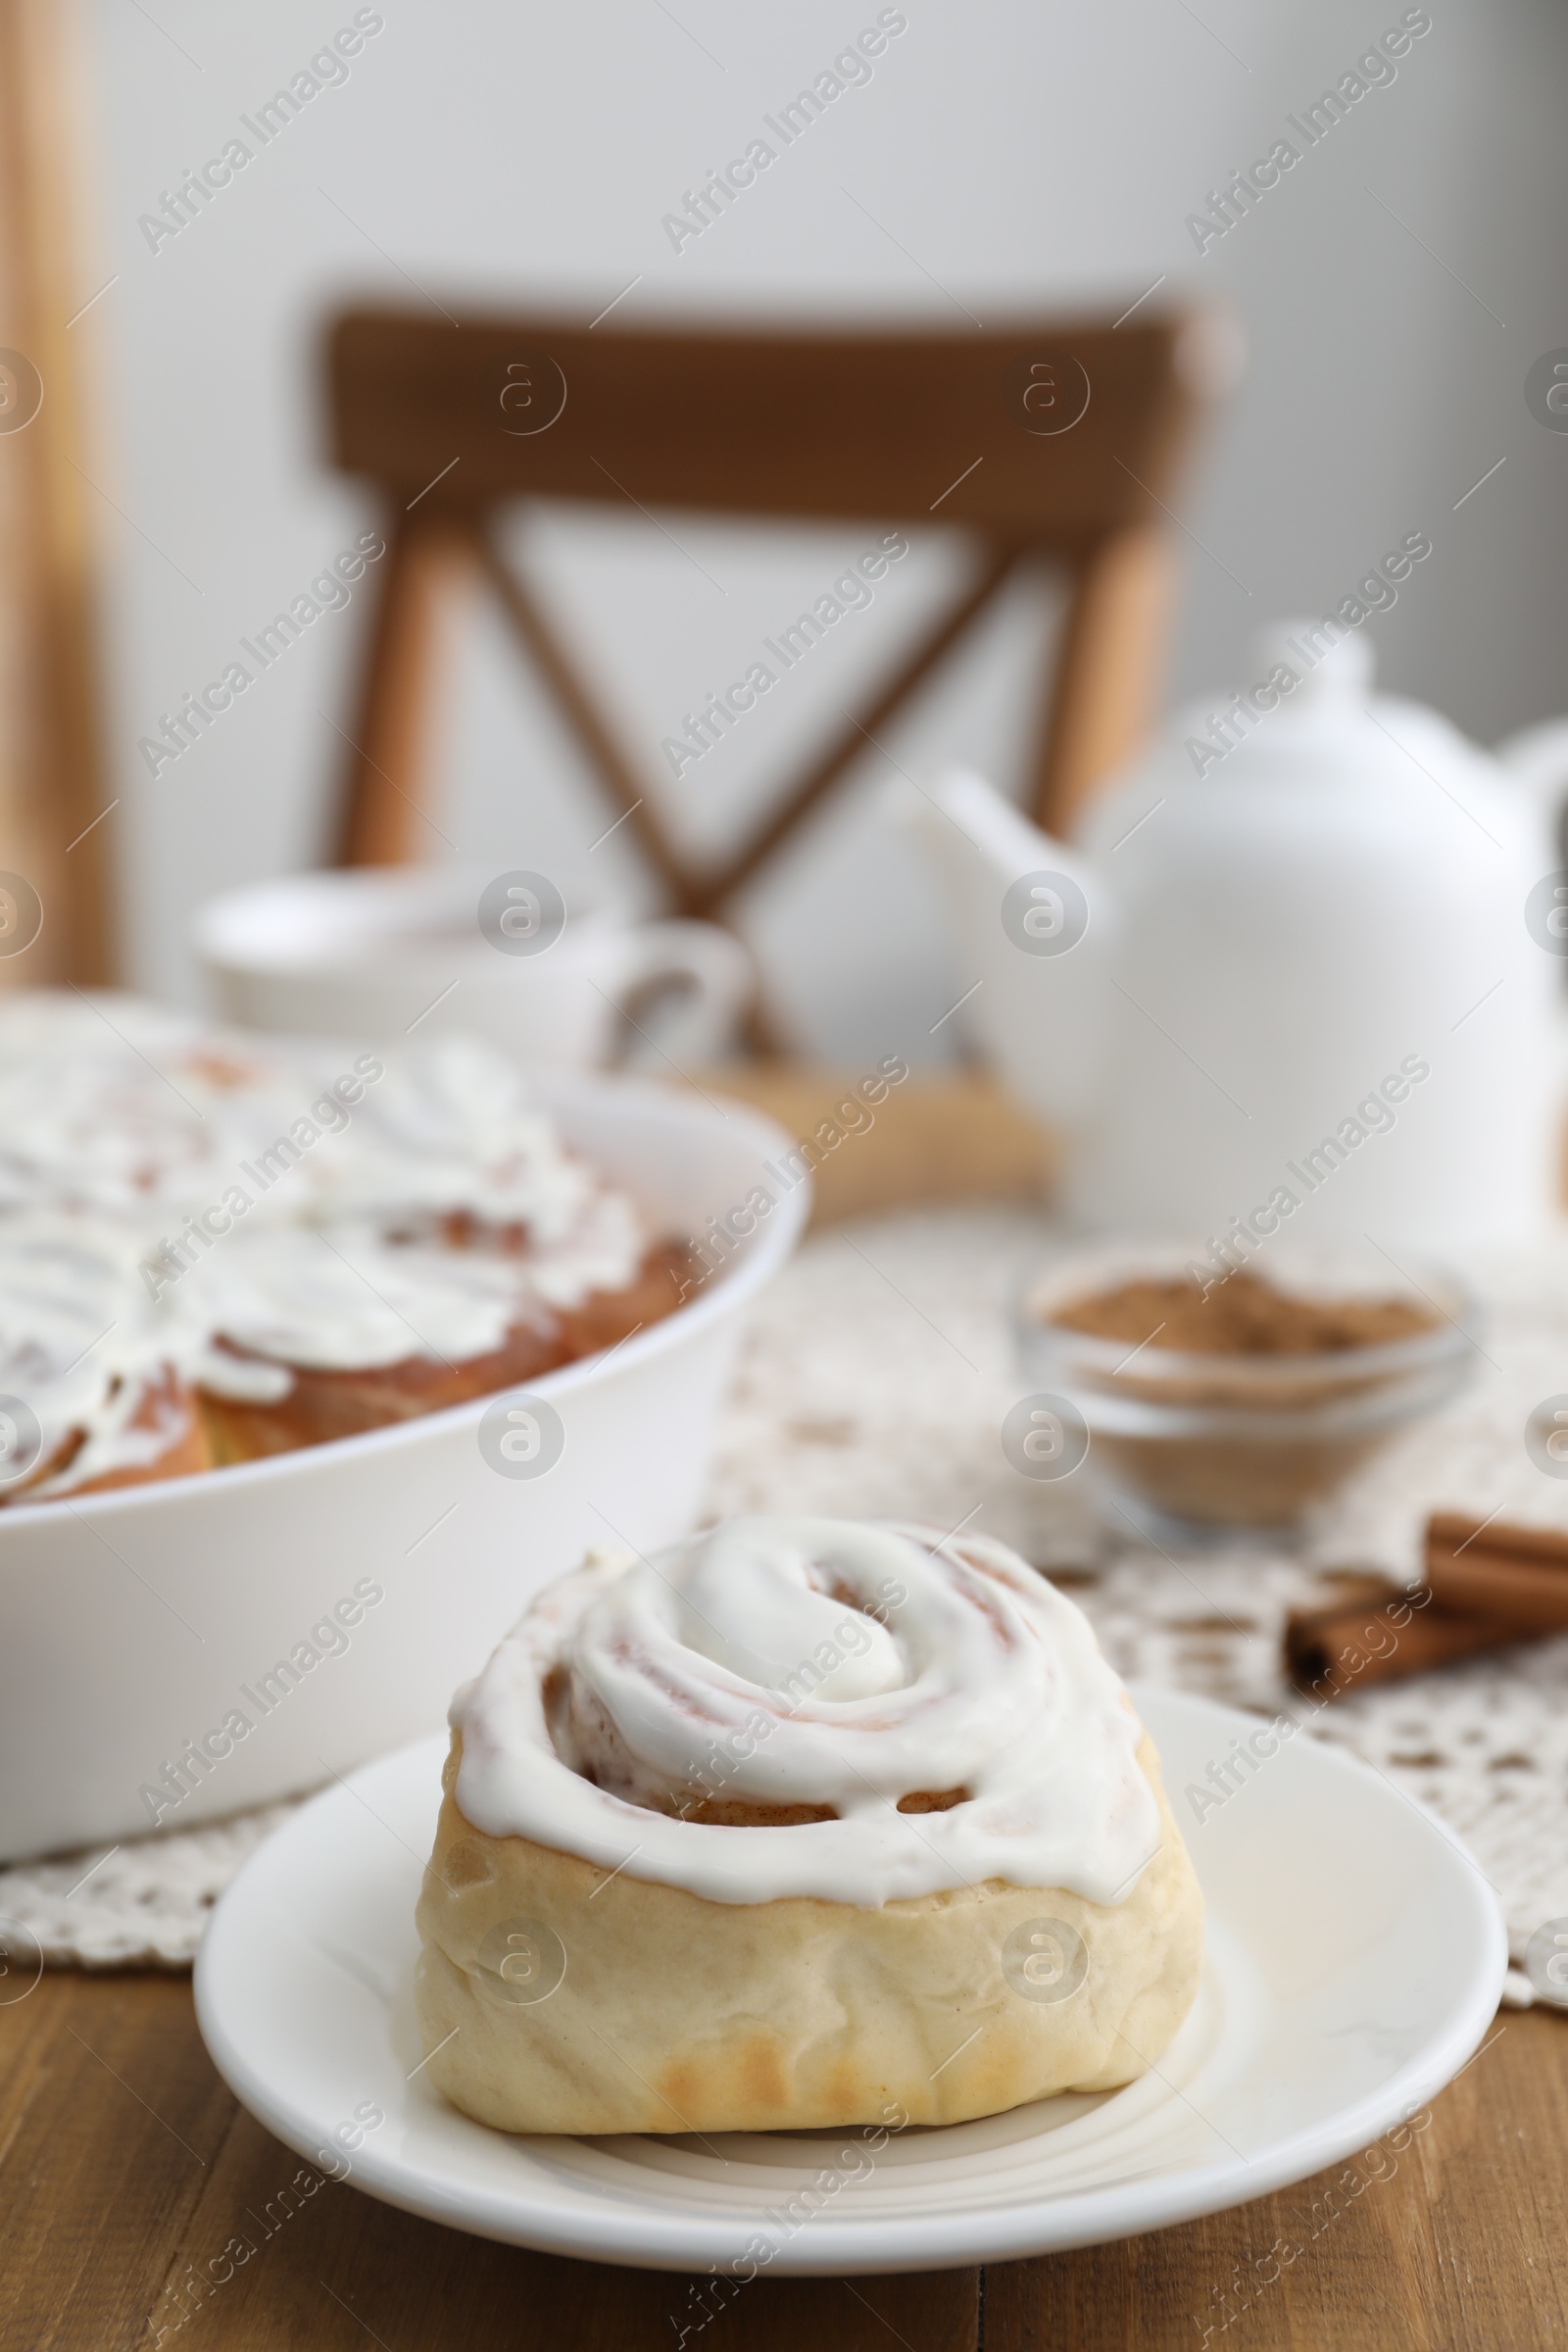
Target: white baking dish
<point x="133" y="1623"/>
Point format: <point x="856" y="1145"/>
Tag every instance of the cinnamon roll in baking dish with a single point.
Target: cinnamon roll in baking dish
<point x="321" y="1335"/>
<point x="92" y="1393"/>
<point x="251" y="1248"/>
<point x="799" y="1818"/>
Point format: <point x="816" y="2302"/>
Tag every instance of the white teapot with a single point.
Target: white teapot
<point x="1305" y="963"/>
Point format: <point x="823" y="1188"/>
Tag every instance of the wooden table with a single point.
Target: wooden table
<point x="128" y="2175"/>
<point x="126" y="2170"/>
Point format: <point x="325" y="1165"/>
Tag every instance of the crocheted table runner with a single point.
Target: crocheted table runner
<point x="874" y="1382"/>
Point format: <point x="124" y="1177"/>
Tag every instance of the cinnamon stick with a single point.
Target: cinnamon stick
<point x="1379" y="1635"/>
<point x="1487" y="1583"/>
<point x="1448" y="1531"/>
<point x="1516" y="1574"/>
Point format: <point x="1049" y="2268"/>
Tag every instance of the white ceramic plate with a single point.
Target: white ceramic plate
<point x="1354" y="1959"/>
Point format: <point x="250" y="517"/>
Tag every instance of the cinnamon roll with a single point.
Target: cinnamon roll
<point x="799" y="1817"/>
<point x="291" y="1243"/>
<point x="323" y="1334"/>
<point x="94" y="1387"/>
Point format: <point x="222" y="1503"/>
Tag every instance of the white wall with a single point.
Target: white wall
<point x="1005" y="156"/>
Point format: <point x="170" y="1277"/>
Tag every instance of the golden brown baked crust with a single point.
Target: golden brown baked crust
<point x="676" y="2014"/>
<point x="322" y="1405"/>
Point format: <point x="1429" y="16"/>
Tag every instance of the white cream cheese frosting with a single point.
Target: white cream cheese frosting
<point x="294" y="1198"/>
<point x="114" y="1105"/>
<point x="81" y="1346"/>
<point x="813" y="1663"/>
<point x="110" y="1105"/>
<point x="332" y="1301"/>
<point x="449" y="1127"/>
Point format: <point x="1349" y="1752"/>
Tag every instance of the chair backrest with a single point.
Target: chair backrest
<point x="1055" y="438"/>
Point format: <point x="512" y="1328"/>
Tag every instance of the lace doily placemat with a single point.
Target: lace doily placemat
<point x="873" y="1383"/>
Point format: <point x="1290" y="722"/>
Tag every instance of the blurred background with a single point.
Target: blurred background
<point x="1392" y="293"/>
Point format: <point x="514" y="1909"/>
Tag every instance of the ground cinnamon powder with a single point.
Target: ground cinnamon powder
<point x="1244" y="1316"/>
<point x="1250" y="1442"/>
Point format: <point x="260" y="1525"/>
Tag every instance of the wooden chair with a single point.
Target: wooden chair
<point x="55" y="792"/>
<point x="1053" y="438"/>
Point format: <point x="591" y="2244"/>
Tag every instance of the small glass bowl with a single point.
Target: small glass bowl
<point x="1186" y="1444"/>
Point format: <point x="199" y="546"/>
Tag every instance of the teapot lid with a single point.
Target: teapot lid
<point x="1311" y="702"/>
<point x="1340" y="672"/>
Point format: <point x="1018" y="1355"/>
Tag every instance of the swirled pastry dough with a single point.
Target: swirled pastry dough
<point x="794" y="1820"/>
